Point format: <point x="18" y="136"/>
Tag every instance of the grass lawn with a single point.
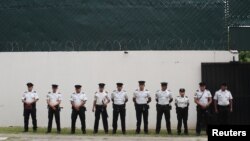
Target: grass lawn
<point x="66" y="131"/>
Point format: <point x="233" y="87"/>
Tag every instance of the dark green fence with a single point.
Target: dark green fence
<point x="86" y="25"/>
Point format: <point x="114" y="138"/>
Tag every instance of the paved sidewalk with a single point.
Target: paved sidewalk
<point x="53" y="137"/>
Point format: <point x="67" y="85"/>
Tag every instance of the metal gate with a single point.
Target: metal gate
<point x="237" y="76"/>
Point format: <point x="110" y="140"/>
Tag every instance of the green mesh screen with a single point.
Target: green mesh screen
<point x="95" y="25"/>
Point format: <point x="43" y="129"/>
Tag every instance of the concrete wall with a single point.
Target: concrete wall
<point x="179" y="68"/>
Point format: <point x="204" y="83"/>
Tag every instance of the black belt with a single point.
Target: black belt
<point x="162" y="105"/>
<point x="117" y="105"/>
<point x="223" y="106"/>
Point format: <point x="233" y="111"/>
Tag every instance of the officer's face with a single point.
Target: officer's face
<point x="164" y="87"/>
<point x="202" y="88"/>
<point x="30" y="88"/>
<point x="119" y="88"/>
<point x="101" y="89"/>
<point x="223" y="88"/>
<point x="182" y="93"/>
<point x="78" y="90"/>
<point x="141" y="86"/>
<point x="54" y="89"/>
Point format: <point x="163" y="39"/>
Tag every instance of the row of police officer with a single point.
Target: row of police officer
<point x="119" y="97"/>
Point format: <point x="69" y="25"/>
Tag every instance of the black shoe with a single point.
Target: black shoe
<point x="95" y="132"/>
<point x="58" y="132"/>
<point x="137" y="132"/>
<point x="114" y="132"/>
<point x="72" y="132"/>
<point x="170" y="133"/>
<point x="157" y="132"/>
<point x="124" y="132"/>
<point x="186" y="133"/>
<point x="145" y="132"/>
<point x="179" y="133"/>
<point x="83" y="132"/>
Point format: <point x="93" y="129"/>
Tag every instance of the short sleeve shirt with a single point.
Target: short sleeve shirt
<point x="119" y="97"/>
<point x="30" y="96"/>
<point x="101" y="97"/>
<point x="54" y="97"/>
<point x="203" y="96"/>
<point x="77" y="98"/>
<point x="163" y="97"/>
<point x="182" y="102"/>
<point x="223" y="97"/>
<point x="141" y="97"/>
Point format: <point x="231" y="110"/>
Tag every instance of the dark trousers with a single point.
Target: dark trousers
<point x="55" y="113"/>
<point x="182" y="116"/>
<point x="74" y="116"/>
<point x="119" y="110"/>
<point x="223" y="115"/>
<point x="101" y="110"/>
<point x="163" y="109"/>
<point x="26" y="114"/>
<point x="141" y="110"/>
<point x="202" y="119"/>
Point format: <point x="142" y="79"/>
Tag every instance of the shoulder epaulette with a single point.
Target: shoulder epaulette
<point x="34" y="91"/>
<point x="186" y="96"/>
<point x="146" y="90"/>
<point x="59" y="93"/>
<point x="178" y="96"/>
<point x="197" y="90"/>
<point x="49" y="92"/>
<point x="96" y="92"/>
<point x="106" y="92"/>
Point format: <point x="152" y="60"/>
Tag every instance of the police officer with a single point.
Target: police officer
<point x="182" y="103"/>
<point x="163" y="98"/>
<point x="54" y="99"/>
<point x="119" y="98"/>
<point x="78" y="100"/>
<point x="100" y="103"/>
<point x="223" y="104"/>
<point x="29" y="100"/>
<point x="141" y="99"/>
<point x="203" y="99"/>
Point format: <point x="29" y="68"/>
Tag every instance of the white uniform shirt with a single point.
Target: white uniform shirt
<point x="203" y="96"/>
<point x="30" y="96"/>
<point x="77" y="98"/>
<point x="141" y="97"/>
<point x="163" y="97"/>
<point x="182" y="102"/>
<point x="119" y="97"/>
<point x="101" y="97"/>
<point x="54" y="97"/>
<point x="223" y="97"/>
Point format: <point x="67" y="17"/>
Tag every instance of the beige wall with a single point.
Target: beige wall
<point x="179" y="68"/>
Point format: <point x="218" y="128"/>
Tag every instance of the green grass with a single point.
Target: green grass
<point x="66" y="131"/>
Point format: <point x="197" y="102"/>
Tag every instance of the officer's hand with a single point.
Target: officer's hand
<point x="77" y="108"/>
<point x="216" y="110"/>
<point x="203" y="107"/>
<point x="231" y="110"/>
